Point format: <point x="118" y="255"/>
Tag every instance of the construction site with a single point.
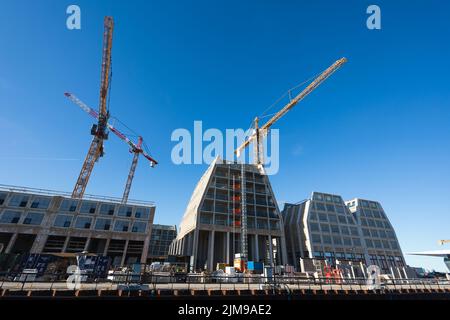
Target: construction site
<point x="232" y="240"/>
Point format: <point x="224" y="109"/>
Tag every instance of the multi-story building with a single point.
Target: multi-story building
<point x="160" y="240"/>
<point x="43" y="221"/>
<point x="325" y="227"/>
<point x="210" y="231"/>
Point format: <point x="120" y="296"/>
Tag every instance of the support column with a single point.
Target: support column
<point x="228" y="248"/>
<point x="145" y="248"/>
<point x="86" y="246"/>
<point x="282" y="248"/>
<point x="270" y="251"/>
<point x="256" y="248"/>
<point x="66" y="243"/>
<point x="11" y="243"/>
<point x="194" y="251"/>
<point x="211" y="251"/>
<point x="124" y="255"/>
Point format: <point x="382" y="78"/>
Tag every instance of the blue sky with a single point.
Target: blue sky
<point x="378" y="129"/>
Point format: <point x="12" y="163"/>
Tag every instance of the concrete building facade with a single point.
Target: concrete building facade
<point x="210" y="230"/>
<point x="43" y="221"/>
<point x="326" y="227"/>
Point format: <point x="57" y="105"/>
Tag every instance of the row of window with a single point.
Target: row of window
<point x="72" y="205"/>
<point x="327" y="228"/>
<point x="328" y="207"/>
<point x="251" y="223"/>
<point x="372" y="214"/>
<point x="327" y="198"/>
<point x="376" y="233"/>
<point x="332" y="218"/>
<point x="337" y="240"/>
<point x="375" y="223"/>
<point x="67" y="221"/>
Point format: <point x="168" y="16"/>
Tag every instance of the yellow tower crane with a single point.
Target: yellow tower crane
<point x="260" y="132"/>
<point x="99" y="130"/>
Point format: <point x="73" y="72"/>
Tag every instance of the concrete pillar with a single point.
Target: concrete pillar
<point x="270" y="251"/>
<point x="145" y="249"/>
<point x="282" y="248"/>
<point x="194" y="250"/>
<point x="124" y="255"/>
<point x="39" y="243"/>
<point x="11" y="243"/>
<point x="105" y="251"/>
<point x="228" y="248"/>
<point x="66" y="243"/>
<point x="86" y="246"/>
<point x="256" y="248"/>
<point x="211" y="250"/>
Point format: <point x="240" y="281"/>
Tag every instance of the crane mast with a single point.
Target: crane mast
<point x="99" y="130"/>
<point x="130" y="177"/>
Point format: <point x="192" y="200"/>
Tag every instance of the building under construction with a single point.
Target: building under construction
<point x="224" y="205"/>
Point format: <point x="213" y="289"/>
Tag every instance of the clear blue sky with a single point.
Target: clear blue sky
<point x="378" y="129"/>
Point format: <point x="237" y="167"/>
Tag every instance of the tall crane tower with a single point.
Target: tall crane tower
<point x="136" y="149"/>
<point x="99" y="130"/>
<point x="260" y="132"/>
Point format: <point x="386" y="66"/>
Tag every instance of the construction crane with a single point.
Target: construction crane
<point x="442" y="242"/>
<point x="134" y="148"/>
<point x="260" y="132"/>
<point x="99" y="130"/>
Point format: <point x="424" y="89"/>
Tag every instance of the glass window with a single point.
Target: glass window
<point x="350" y="220"/>
<point x="314" y="226"/>
<point x="356" y="242"/>
<point x="19" y="200"/>
<point x="377" y="244"/>
<point x="369" y="243"/>
<point x="334" y="228"/>
<point x="330" y="207"/>
<point x="340" y="209"/>
<point x="354" y="231"/>
<point x="337" y="240"/>
<point x="88" y="207"/>
<point x="326" y="239"/>
<point x="345" y="230"/>
<point x="347" y="241"/>
<point x="332" y="218"/>
<point x="318" y="196"/>
<point x="379" y="224"/>
<point x="323" y="217"/>
<point x="125" y="211"/>
<point x="63" y="220"/>
<point x="69" y="205"/>
<point x="40" y="203"/>
<point x="342" y="219"/>
<point x="139" y="226"/>
<point x="313" y="216"/>
<point x="107" y="209"/>
<point x="386" y="244"/>
<point x="325" y="227"/>
<point x="9" y="216"/>
<point x="102" y="224"/>
<point x="374" y="233"/>
<point x="121" y="225"/>
<point x="83" y="222"/>
<point x="320" y="206"/>
<point x="366" y="232"/>
<point x="34" y="218"/>
<point x="337" y="199"/>
<point x="328" y="198"/>
<point x="262" y="224"/>
<point x="142" y="213"/>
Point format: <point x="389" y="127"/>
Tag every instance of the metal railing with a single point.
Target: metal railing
<point x="154" y="281"/>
